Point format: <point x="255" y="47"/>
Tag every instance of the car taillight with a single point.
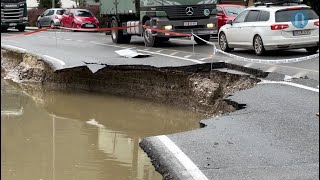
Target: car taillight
<point x="279" y="26"/>
<point x="316" y="23"/>
<point x="56" y="17"/>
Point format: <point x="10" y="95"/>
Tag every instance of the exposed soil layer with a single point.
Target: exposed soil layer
<point x="199" y="88"/>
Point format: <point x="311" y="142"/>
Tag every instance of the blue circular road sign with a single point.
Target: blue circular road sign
<point x="299" y="19"/>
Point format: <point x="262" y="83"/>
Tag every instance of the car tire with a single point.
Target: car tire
<point x="52" y="25"/>
<point x="39" y="25"/>
<point x="21" y="28"/>
<point x="258" y="46"/>
<point x="149" y="39"/>
<point x="201" y="42"/>
<point x="312" y="50"/>
<point x="73" y="27"/>
<point x="117" y="35"/>
<point x="223" y="43"/>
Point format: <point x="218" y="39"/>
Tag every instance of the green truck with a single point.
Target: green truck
<point x="14" y="14"/>
<point x="182" y="16"/>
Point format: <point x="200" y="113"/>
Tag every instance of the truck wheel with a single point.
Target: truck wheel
<point x="164" y="39"/>
<point x="117" y="35"/>
<point x="149" y="39"/>
<point x="200" y="42"/>
<point x="21" y="28"/>
<point x="3" y="29"/>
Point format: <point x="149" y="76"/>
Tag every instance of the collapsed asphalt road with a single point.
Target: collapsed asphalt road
<point x="274" y="135"/>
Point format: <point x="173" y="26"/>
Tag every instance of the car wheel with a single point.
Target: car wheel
<point x="21" y="28"/>
<point x="73" y="27"/>
<point x="149" y="39"/>
<point x="52" y="25"/>
<point x="117" y="35"/>
<point x="312" y="50"/>
<point x="223" y="43"/>
<point x="201" y="42"/>
<point x="39" y="25"/>
<point x="258" y="46"/>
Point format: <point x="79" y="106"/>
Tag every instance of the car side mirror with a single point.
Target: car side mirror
<point x="220" y="14"/>
<point x="71" y="15"/>
<point x="229" y="22"/>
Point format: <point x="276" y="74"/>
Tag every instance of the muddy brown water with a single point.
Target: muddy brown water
<point x="61" y="135"/>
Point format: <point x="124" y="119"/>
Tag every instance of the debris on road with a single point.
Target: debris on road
<point x="129" y="53"/>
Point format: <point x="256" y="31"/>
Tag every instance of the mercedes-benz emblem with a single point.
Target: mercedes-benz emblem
<point x="189" y="11"/>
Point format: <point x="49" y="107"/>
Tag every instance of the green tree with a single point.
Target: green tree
<point x="47" y="4"/>
<point x="314" y="4"/>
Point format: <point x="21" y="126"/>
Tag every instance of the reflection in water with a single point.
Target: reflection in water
<point x="81" y="136"/>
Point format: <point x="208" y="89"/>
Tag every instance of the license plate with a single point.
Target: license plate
<point x="301" y="32"/>
<point x="89" y="25"/>
<point x="190" y="23"/>
<point x="12" y="24"/>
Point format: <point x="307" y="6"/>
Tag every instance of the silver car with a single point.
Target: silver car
<point x="50" y="18"/>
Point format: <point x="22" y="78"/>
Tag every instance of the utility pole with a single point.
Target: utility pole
<point x="53" y="3"/>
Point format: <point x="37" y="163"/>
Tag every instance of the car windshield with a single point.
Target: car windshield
<point x="83" y="13"/>
<point x="60" y="12"/>
<point x="285" y="15"/>
<point x="233" y="10"/>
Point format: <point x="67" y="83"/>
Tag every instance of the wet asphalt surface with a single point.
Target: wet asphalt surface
<point x="276" y="136"/>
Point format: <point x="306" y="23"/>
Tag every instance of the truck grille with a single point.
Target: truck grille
<point x="12" y="14"/>
<point x="179" y="12"/>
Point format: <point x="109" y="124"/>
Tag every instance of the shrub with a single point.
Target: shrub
<point x="33" y="15"/>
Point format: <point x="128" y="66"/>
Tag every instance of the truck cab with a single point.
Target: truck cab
<point x="179" y="16"/>
<point x="14" y="14"/>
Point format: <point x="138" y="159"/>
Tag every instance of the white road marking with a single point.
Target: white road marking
<point x="55" y="59"/>
<point x="68" y="39"/>
<point x="209" y="57"/>
<point x="159" y="51"/>
<point x="187" y="56"/>
<point x="174" y="53"/>
<point x="176" y="57"/>
<point x="14" y="47"/>
<point x="290" y="84"/>
<point x="185" y="161"/>
<point x="272" y="69"/>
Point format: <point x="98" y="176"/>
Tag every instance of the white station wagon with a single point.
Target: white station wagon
<point x="272" y="27"/>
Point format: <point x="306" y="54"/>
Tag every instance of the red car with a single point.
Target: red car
<point x="227" y="12"/>
<point x="79" y="18"/>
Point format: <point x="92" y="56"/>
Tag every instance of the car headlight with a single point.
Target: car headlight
<point x="167" y="28"/>
<point x="25" y="18"/>
<point x="211" y="25"/>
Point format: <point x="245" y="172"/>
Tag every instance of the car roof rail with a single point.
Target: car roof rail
<point x="269" y="3"/>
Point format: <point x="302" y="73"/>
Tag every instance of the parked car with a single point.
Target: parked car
<point x="79" y="18"/>
<point x="228" y="12"/>
<point x="50" y="18"/>
<point x="271" y="27"/>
